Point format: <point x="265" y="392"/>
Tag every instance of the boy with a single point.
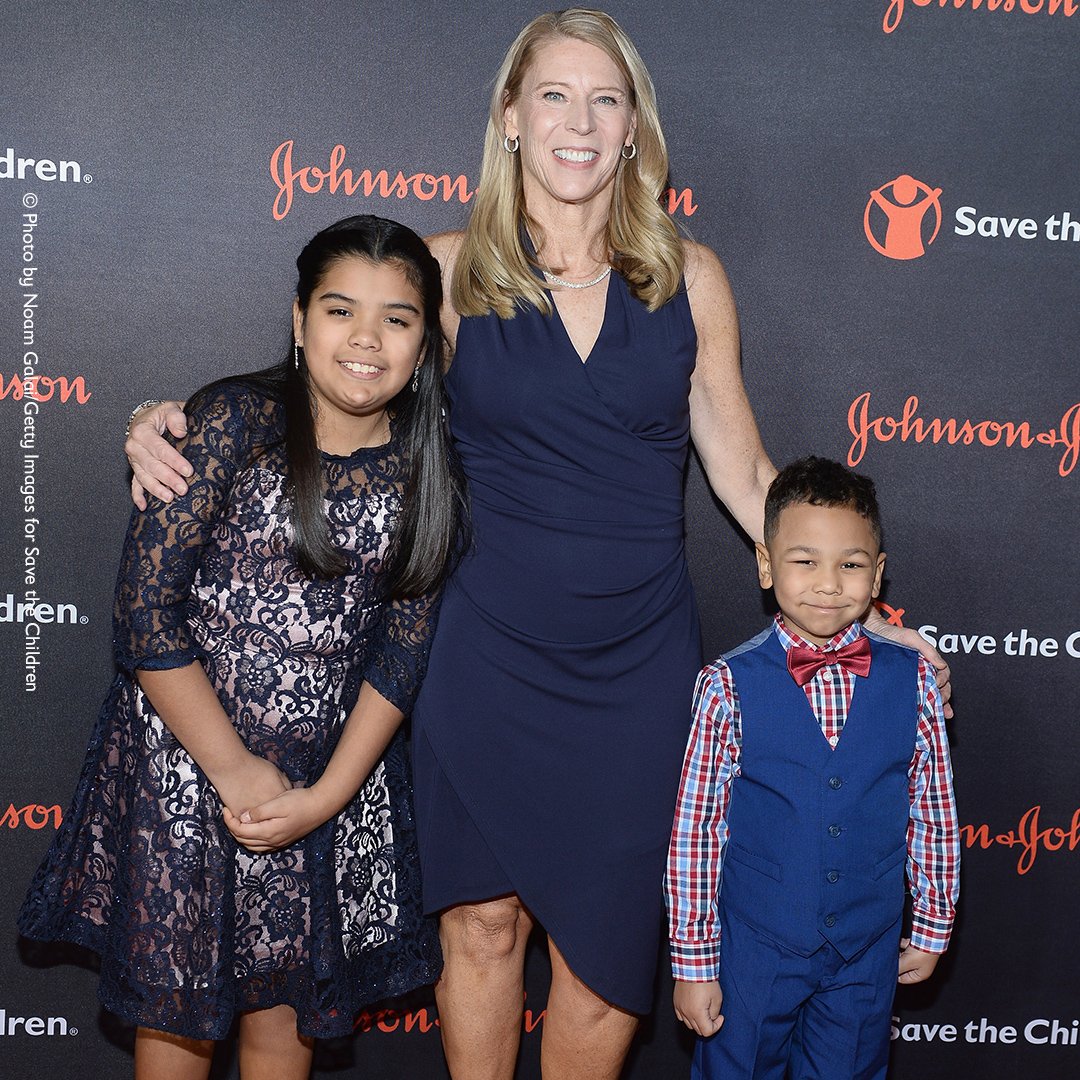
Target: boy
<point x="817" y="769"/>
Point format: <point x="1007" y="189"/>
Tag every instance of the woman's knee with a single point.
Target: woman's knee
<point x="484" y="933"/>
<point x="570" y="994"/>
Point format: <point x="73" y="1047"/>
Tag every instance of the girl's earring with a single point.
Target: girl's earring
<point x="416" y="378"/>
<point x="296" y="355"/>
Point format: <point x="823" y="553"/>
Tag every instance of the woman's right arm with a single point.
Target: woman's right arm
<point x="156" y="467"/>
<point x="445" y="246"/>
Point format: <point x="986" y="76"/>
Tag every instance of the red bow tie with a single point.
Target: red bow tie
<point x="804" y="663"/>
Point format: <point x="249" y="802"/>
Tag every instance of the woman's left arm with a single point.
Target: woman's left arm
<point x="722" y="423"/>
<point x="725" y="433"/>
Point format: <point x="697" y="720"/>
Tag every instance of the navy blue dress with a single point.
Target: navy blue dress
<point x="549" y="732"/>
<point x="192" y="929"/>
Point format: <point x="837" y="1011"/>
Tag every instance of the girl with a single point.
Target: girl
<point x="271" y="631"/>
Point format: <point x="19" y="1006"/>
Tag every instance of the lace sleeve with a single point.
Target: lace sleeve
<point x="397" y="654"/>
<point x="164" y="543"/>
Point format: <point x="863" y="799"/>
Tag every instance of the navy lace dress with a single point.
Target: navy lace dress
<point x="192" y="929"/>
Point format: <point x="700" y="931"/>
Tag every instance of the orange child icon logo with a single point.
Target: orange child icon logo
<point x="904" y="202"/>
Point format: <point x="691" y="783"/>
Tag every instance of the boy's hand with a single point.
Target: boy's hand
<point x="697" y="1005"/>
<point x="916" y="965"/>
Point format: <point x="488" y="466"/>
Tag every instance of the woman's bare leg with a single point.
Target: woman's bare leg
<point x="161" y="1056"/>
<point x="585" y="1037"/>
<point x="481" y="991"/>
<point x="271" y="1048"/>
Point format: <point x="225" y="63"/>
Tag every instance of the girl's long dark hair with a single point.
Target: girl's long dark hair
<point x="430" y="528"/>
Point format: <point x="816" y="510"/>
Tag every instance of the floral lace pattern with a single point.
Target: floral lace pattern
<point x="191" y="928"/>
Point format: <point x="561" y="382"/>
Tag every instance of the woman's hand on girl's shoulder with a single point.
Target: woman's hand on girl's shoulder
<point x="157" y="468"/>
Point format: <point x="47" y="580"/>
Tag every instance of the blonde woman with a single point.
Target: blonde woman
<point x="591" y="344"/>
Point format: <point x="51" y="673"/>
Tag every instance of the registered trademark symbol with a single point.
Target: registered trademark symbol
<point x="73" y="1031"/>
<point x="84" y="619"/>
<point x="87" y="179"/>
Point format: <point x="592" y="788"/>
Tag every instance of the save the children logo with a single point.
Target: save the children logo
<point x="293" y="178"/>
<point x="11" y="1024"/>
<point x="902" y="218"/>
<point x="15" y="167"/>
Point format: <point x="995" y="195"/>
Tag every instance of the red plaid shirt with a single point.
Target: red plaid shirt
<point x="695" y="857"/>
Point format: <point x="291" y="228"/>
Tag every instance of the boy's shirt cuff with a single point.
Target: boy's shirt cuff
<point x="695" y="961"/>
<point x="930" y="933"/>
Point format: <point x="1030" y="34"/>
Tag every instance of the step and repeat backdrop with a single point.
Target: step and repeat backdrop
<point x="892" y="186"/>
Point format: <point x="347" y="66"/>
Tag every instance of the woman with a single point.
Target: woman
<point x="590" y="343"/>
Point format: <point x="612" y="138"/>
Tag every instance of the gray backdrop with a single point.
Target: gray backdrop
<point x="161" y="255"/>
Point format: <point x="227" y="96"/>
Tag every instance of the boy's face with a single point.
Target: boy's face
<point x="824" y="567"/>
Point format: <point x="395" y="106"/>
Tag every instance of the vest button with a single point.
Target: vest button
<point x="833" y="875"/>
<point x="830" y="920"/>
<point x="835" y="782"/>
<point x="834" y="830"/>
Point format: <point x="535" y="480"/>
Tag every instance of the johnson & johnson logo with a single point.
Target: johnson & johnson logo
<point x="1029" y="835"/>
<point x="44" y="388"/>
<point x="32" y="816"/>
<point x="894" y="11"/>
<point x="389" y="1021"/>
<point x="336" y="177"/>
<point x="910" y="426"/>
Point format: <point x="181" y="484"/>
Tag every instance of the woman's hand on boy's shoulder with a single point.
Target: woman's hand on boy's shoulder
<point x="905" y="635"/>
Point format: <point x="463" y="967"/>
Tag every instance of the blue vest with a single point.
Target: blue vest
<point x="817" y="848"/>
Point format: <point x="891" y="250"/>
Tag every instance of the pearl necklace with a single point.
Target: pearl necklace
<point x="577" y="284"/>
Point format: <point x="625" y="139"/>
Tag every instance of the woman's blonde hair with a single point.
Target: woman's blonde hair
<point x="493" y="270"/>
